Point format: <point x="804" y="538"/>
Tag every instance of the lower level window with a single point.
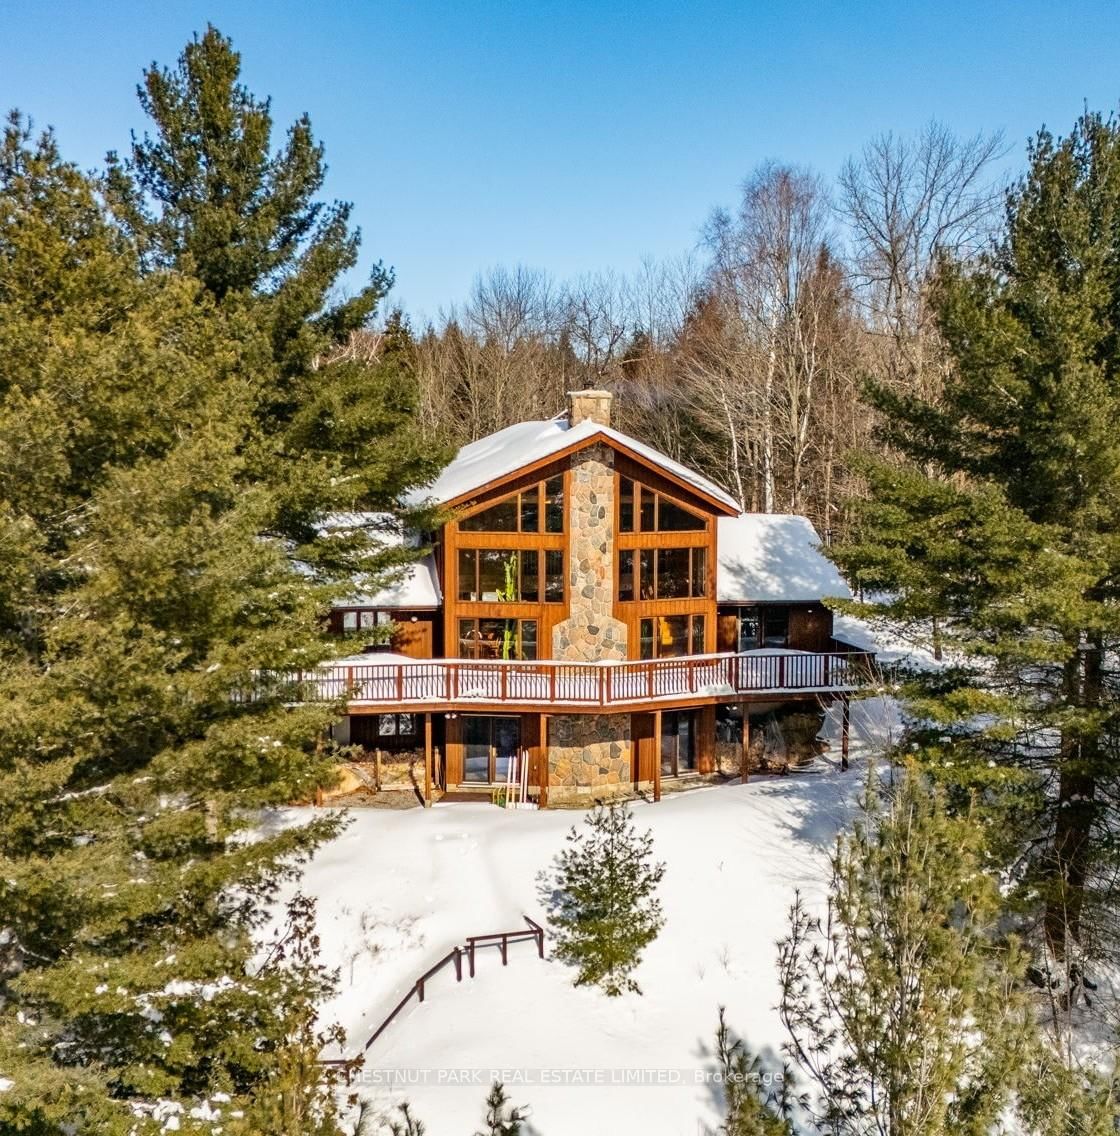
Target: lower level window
<point x="396" y="725"/>
<point x="678" y="743"/>
<point x="497" y="638"/>
<point x="670" y="636"/>
<point x="489" y="746"/>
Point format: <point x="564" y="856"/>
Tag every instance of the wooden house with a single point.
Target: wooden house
<point x="595" y="607"/>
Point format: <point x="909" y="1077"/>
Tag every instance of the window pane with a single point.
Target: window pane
<point x="625" y="505"/>
<point x="672" y="573"/>
<point x="697" y="635"/>
<point x="776" y="623"/>
<point x="468" y="639"/>
<point x="497" y="638"/>
<point x="686" y="743"/>
<point x="645" y="562"/>
<point x="672" y="518"/>
<point x="367" y="620"/>
<point x="530" y="511"/>
<point x="668" y="745"/>
<point x="672" y="636"/>
<point x="467" y="586"/>
<point x="406" y="724"/>
<point x="699" y="571"/>
<point x="554" y="505"/>
<point x="349" y="621"/>
<point x="530" y="577"/>
<point x="645" y="638"/>
<point x="384" y="619"/>
<point x="748" y="629"/>
<point x="386" y="725"/>
<point x="476" y="749"/>
<point x="626" y="574"/>
<point x="529" y="639"/>
<point x="501" y="517"/>
<point x="497" y="574"/>
<point x="507" y="741"/>
<point x="649" y="501"/>
<point x="554" y="576"/>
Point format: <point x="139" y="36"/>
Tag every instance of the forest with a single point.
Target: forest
<point x="922" y="356"/>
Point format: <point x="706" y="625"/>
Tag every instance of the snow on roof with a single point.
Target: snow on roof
<point x="418" y="584"/>
<point x="501" y="454"/>
<point x="773" y="558"/>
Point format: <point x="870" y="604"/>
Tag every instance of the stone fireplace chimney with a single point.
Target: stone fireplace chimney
<point x="593" y="404"/>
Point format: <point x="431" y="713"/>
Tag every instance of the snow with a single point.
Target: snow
<point x="417" y="586"/>
<point x="773" y="558"/>
<point x="500" y="454"/>
<point x="398" y="889"/>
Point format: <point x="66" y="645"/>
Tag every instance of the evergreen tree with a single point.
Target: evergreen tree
<point x="903" y="1008"/>
<point x="501" y="1119"/>
<point x="142" y="595"/>
<point x="751" y="1110"/>
<point x="1003" y="521"/>
<point x="207" y="195"/>
<point x="602" y="899"/>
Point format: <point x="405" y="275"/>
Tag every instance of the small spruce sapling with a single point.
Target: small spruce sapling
<point x="601" y="898"/>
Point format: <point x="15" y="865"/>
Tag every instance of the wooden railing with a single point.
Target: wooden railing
<point x="501" y="939"/>
<point x="448" y="682"/>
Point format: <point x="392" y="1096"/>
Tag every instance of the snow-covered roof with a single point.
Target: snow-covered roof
<point x="417" y="586"/>
<point x="773" y="558"/>
<point x="504" y="453"/>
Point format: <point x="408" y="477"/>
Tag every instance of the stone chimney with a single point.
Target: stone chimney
<point x="593" y="404"/>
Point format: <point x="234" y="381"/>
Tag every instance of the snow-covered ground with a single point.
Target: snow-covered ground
<point x="399" y="888"/>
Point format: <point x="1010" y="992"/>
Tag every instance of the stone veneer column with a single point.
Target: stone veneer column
<point x="589" y="754"/>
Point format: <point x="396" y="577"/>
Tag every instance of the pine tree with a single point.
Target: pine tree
<point x="501" y="1119"/>
<point x="750" y="1109"/>
<point x="1002" y="521"/>
<point x="903" y="1008"/>
<point x="143" y="591"/>
<point x="206" y="194"/>
<point x="602" y="899"/>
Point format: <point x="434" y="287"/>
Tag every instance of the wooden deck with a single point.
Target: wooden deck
<point x="473" y="684"/>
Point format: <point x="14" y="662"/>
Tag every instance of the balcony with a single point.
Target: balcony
<point x="451" y="684"/>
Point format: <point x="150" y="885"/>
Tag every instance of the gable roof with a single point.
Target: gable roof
<point x="502" y="455"/>
<point x="773" y="558"/>
<point x="415" y="586"/>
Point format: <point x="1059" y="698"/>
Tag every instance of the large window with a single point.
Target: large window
<point x="641" y="509"/>
<point x="507" y="575"/>
<point x="763" y="627"/>
<point x="489" y="745"/>
<point x="670" y="636"/>
<point x="497" y="639"/>
<point x="523" y="512"/>
<point x="662" y="573"/>
<point x="678" y="743"/>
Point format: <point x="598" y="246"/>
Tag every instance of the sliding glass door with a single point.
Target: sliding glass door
<point x="489" y="745"/>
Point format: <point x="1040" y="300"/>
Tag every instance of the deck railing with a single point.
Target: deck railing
<point x="464" y="681"/>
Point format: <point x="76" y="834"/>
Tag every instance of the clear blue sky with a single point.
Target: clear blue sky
<point x="570" y="136"/>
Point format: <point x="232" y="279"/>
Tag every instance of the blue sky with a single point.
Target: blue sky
<point x="570" y="136"/>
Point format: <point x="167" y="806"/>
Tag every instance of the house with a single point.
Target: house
<point x="597" y="607"/>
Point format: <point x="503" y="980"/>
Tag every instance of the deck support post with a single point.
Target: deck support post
<point x="745" y="754"/>
<point x="657" y="755"/>
<point x="542" y="739"/>
<point x="427" y="761"/>
<point x="845" y="730"/>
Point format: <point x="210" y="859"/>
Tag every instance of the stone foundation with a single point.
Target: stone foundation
<point x="588" y="757"/>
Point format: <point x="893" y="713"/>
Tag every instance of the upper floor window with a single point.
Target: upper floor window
<point x="641" y="509"/>
<point x="662" y="573"/>
<point x="509" y="575"/>
<point x="539" y="508"/>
